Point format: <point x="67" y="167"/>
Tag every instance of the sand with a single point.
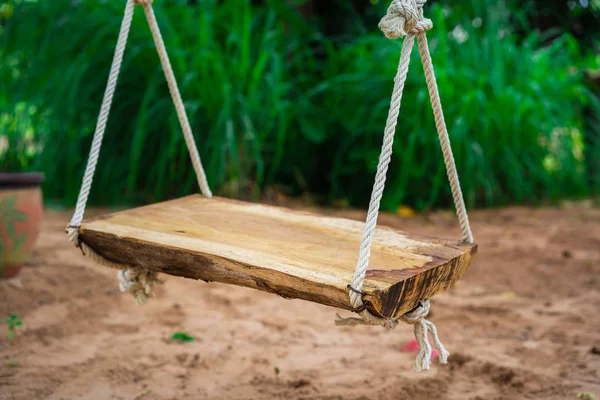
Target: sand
<point x="522" y="324"/>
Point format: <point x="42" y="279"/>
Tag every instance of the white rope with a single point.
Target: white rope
<point x="137" y="280"/>
<point x="176" y="96"/>
<point x="421" y="328"/>
<point x="115" y="67"/>
<point x="405" y="18"/>
<point x="382" y="167"/>
<point x="440" y="123"/>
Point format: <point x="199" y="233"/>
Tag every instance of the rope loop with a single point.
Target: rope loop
<point x="415" y="316"/>
<point x="422" y="327"/>
<point x="144" y="2"/>
<point x="403" y="17"/>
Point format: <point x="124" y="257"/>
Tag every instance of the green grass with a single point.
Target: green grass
<point x="513" y="109"/>
<point x="235" y="68"/>
<point x="274" y="102"/>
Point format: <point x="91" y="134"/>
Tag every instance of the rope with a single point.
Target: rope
<point x="115" y="67"/>
<point x="405" y="18"/>
<point x="176" y="96"/>
<point x="421" y="328"/>
<point x="380" y="176"/>
<point x="137" y="280"/>
<point x="440" y="123"/>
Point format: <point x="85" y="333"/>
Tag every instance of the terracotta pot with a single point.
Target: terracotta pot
<point x="20" y="217"/>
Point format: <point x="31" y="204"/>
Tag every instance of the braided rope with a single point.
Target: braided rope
<point x="136" y="280"/>
<point x="379" y="185"/>
<point x="440" y="123"/>
<point x="113" y="76"/>
<point x="421" y="328"/>
<point x="177" y="101"/>
<point x="405" y="18"/>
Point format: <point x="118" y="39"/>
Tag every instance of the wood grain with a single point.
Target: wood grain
<point x="293" y="254"/>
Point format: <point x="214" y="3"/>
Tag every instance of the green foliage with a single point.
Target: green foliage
<point x="13" y="321"/>
<point x="182" y="337"/>
<point x="513" y="110"/>
<point x="18" y="146"/>
<point x="273" y="101"/>
<point x="8" y="217"/>
<point x="235" y="67"/>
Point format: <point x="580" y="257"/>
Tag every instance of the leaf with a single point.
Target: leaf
<point x="10" y="229"/>
<point x="10" y="202"/>
<point x="19" y="241"/>
<point x="19" y="216"/>
<point x="312" y="129"/>
<point x="19" y="323"/>
<point x="182" y="337"/>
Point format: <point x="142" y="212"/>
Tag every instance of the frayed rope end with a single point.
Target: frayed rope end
<point x="139" y="282"/>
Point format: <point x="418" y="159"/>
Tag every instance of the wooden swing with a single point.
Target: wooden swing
<point x="290" y="253"/>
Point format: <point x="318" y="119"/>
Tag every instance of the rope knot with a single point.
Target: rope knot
<point x="139" y="282"/>
<point x="144" y="2"/>
<point x="403" y="17"/>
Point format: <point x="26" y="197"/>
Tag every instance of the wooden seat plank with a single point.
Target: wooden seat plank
<point x="291" y="253"/>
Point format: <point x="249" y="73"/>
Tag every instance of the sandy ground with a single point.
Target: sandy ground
<point x="522" y="324"/>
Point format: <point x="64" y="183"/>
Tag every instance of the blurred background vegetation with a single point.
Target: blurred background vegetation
<point x="291" y="97"/>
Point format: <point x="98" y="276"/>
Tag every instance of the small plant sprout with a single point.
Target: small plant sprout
<point x="13" y="321"/>
<point x="182" y="337"/>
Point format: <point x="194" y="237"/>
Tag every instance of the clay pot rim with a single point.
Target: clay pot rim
<point x="12" y="180"/>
